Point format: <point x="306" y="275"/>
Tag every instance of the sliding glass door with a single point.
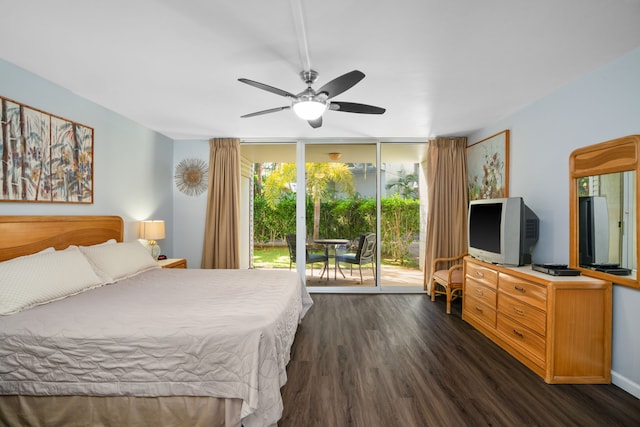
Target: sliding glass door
<point x="341" y="206"/>
<point x="403" y="216"/>
<point x="353" y="213"/>
<point x="271" y="202"/>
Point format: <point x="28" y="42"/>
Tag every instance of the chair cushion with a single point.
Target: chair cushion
<point x="316" y="258"/>
<point x="351" y="258"/>
<point x="443" y="275"/>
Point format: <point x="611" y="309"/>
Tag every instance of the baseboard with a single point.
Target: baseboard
<point x="626" y="384"/>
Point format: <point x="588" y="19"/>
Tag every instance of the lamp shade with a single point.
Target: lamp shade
<point x="152" y="230"/>
<point x="309" y="109"/>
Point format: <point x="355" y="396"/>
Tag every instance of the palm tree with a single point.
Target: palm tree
<point x="318" y="177"/>
<point x="406" y="185"/>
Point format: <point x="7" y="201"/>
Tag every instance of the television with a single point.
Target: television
<point x="502" y="231"/>
<point x="593" y="230"/>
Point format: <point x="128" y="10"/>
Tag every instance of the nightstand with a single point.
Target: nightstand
<point x="173" y="263"/>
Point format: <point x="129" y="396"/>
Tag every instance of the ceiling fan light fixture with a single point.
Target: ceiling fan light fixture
<point x="310" y="104"/>
<point x="309" y="109"/>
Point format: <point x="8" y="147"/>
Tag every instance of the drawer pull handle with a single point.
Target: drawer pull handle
<point x="479" y="309"/>
<point x="520" y="289"/>
<point x="479" y="292"/>
<point x="518" y="311"/>
<point x="518" y="333"/>
<point x="479" y="273"/>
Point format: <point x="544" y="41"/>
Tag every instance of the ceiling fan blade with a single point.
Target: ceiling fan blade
<point x="340" y="84"/>
<point x="268" y="88"/>
<point x="316" y="123"/>
<point x="351" y="107"/>
<point x="270" y="110"/>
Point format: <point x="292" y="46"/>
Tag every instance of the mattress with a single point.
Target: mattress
<point x="164" y="332"/>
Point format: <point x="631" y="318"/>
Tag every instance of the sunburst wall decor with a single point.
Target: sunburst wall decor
<point x="191" y="176"/>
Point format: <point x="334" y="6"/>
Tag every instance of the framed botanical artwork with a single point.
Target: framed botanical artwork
<point x="488" y="167"/>
<point x="44" y="158"/>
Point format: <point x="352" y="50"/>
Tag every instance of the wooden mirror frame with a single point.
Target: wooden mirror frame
<point x="617" y="155"/>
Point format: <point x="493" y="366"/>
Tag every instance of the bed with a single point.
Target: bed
<point x="106" y="337"/>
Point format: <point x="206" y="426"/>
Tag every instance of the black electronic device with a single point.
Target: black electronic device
<point x="553" y="266"/>
<point x="502" y="231"/>
<point x="609" y="268"/>
<point x="616" y="271"/>
<point x="555" y="269"/>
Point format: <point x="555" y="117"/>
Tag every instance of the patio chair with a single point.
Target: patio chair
<point x="311" y="258"/>
<point x="365" y="254"/>
<point x="449" y="279"/>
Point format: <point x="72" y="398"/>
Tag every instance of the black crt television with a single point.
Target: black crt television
<point x="593" y="230"/>
<point x="502" y="231"/>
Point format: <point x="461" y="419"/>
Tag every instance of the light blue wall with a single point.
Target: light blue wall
<point x="189" y="211"/>
<point x="132" y="164"/>
<point x="600" y="106"/>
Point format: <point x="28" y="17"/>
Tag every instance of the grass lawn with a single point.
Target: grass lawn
<point x="271" y="257"/>
<point x="278" y="257"/>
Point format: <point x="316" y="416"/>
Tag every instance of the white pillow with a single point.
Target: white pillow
<point x="108" y="242"/>
<point x="44" y="251"/>
<point x="119" y="260"/>
<point x="44" y="277"/>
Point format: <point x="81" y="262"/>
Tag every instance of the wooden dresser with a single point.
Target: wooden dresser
<point x="558" y="326"/>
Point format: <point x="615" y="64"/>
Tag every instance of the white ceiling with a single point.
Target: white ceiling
<point x="439" y="67"/>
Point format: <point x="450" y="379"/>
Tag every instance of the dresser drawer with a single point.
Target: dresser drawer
<point x="523" y="290"/>
<point x="479" y="310"/>
<point x="558" y="328"/>
<point x="525" y="314"/>
<point x="482" y="274"/>
<point x="524" y="337"/>
<point x="479" y="291"/>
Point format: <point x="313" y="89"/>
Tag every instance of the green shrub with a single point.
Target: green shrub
<point x="400" y="226"/>
<point x="343" y="218"/>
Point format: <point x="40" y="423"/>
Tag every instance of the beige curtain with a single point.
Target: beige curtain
<point x="446" y="169"/>
<point x="221" y="245"/>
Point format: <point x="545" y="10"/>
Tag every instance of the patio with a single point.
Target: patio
<point x="390" y="276"/>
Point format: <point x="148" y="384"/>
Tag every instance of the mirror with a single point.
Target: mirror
<point x="603" y="209"/>
<point x="606" y="223"/>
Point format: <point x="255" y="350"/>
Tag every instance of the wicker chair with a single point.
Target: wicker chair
<point x="447" y="281"/>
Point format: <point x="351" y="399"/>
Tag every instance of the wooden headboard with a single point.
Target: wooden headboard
<point x="23" y="235"/>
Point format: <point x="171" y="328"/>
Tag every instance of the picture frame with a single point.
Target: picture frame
<point x="44" y="158"/>
<point x="488" y="167"/>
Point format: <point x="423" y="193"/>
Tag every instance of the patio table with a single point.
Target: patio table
<point x="329" y="243"/>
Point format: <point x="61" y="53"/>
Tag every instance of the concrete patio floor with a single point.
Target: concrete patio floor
<point x="389" y="276"/>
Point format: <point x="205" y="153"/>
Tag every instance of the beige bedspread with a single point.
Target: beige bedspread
<point x="165" y="332"/>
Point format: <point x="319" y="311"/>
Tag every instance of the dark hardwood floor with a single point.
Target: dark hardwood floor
<point x="399" y="360"/>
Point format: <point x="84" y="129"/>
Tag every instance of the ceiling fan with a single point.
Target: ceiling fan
<point x="310" y="104"/>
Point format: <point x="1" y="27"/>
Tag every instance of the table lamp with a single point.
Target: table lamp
<point x="153" y="231"/>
